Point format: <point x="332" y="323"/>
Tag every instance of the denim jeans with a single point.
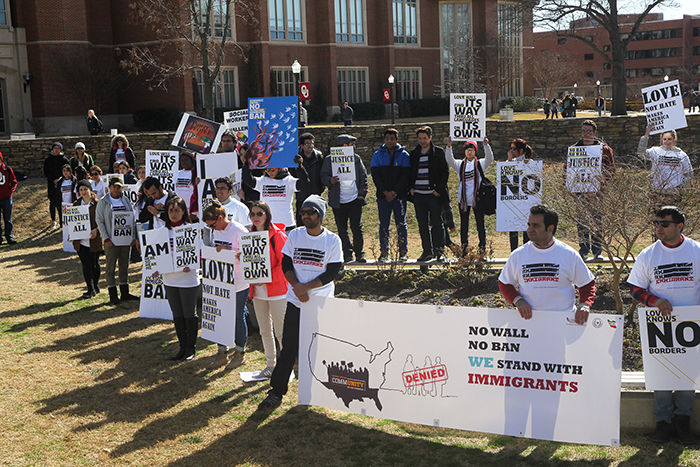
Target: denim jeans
<point x="398" y="207"/>
<point x="6" y="210"/>
<point x="429" y="217"/>
<point x="663" y="404"/>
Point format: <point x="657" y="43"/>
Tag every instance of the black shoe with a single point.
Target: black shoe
<point x="191" y="331"/>
<point x="270" y="402"/>
<point x="663" y="434"/>
<point x="113" y="297"/>
<point x="383" y="257"/>
<point x="125" y="295"/>
<point x="425" y="257"/>
<point x="181" y="332"/>
<point x="11" y="241"/>
<point x="361" y="258"/>
<point x="681" y="424"/>
<point x="347" y="258"/>
<point x="88" y="294"/>
<point x="96" y="288"/>
<point x="403" y="256"/>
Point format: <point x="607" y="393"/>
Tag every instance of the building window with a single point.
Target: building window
<point x="561" y="40"/>
<point x="589" y="74"/>
<point x="456" y="54"/>
<point x="352" y="85"/>
<point x="696" y="32"/>
<point x="349" y="17"/>
<point x="606" y="66"/>
<point x="654" y="53"/>
<point x="225" y="88"/>
<point x="3" y="13"/>
<point x="285" y="20"/>
<point x="405" y="21"/>
<point x="658" y="34"/>
<point x="408" y="83"/>
<point x="283" y="80"/>
<point x="588" y="56"/>
<point x="696" y="50"/>
<point x="218" y="16"/>
<point x="510" y="63"/>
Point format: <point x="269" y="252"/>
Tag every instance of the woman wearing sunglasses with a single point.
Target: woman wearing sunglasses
<point x="519" y="151"/>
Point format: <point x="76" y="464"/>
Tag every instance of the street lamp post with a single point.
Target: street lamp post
<point x="296" y="69"/>
<point x="391" y="80"/>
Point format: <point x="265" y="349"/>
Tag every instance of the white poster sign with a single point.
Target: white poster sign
<point x="343" y="163"/>
<point x="65" y="231"/>
<point x="218" y="296"/>
<point x="186" y="246"/>
<point x="122" y="227"/>
<point x="584" y="168"/>
<point x="663" y="104"/>
<point x="237" y="122"/>
<point x="197" y="134"/>
<point x="519" y="187"/>
<point x="477" y="369"/>
<point x="164" y="166"/>
<point x="76" y="220"/>
<point x="156" y="251"/>
<point x="153" y="302"/>
<point x="467" y="117"/>
<point x="129" y="190"/>
<point x="671" y="346"/>
<point x="209" y="168"/>
<point x="255" y="257"/>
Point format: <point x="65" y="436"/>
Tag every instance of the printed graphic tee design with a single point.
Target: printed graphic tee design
<point x="278" y="195"/>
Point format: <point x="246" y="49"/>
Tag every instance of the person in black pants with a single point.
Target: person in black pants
<point x="53" y="171"/>
<point x="312" y="258"/>
<point x="89" y="250"/>
<point x="312" y="160"/>
<point x="519" y="150"/>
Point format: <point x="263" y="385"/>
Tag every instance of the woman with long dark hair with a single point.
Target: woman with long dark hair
<point x="89" y="249"/>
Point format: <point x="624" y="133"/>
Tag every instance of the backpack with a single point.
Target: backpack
<point x="486" y="194"/>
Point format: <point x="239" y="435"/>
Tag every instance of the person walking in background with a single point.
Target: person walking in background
<point x="347" y="114"/>
<point x="599" y="103"/>
<point x="94" y="125"/>
<point x="8" y="185"/>
<point x="554" y="108"/>
<point x="545" y="108"/>
<point x="53" y="171"/>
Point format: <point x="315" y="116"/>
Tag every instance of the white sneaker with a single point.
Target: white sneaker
<point x="55" y="225"/>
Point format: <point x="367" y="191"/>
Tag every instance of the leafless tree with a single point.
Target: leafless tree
<point x="191" y="35"/>
<point x="551" y="72"/>
<point x="564" y="16"/>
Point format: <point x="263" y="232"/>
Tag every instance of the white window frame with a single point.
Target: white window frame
<point x="366" y="86"/>
<point x="285" y="21"/>
<point x="303" y="76"/>
<point x="515" y="86"/>
<point x="399" y="81"/>
<point x="394" y="8"/>
<point x="443" y="89"/>
<point x="219" y="88"/>
<point x="6" y="11"/>
<point x="363" y="22"/>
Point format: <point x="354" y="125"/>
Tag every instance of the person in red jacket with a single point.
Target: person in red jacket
<point x="8" y="185"/>
<point x="270" y="299"/>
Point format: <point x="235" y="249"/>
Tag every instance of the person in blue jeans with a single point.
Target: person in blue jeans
<point x="391" y="172"/>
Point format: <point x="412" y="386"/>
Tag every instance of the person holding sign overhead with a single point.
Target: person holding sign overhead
<point x="89" y="249"/>
<point x="670" y="167"/>
<point x="115" y="221"/>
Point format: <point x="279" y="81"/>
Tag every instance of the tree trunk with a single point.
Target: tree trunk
<point x="619" y="81"/>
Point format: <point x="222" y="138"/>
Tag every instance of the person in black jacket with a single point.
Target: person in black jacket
<point x="120" y="152"/>
<point x="312" y="160"/>
<point x="153" y="213"/>
<point x="53" y="171"/>
<point x="428" y="189"/>
<point x="94" y="124"/>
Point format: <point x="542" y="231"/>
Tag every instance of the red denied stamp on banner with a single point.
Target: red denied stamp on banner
<point x="421" y="376"/>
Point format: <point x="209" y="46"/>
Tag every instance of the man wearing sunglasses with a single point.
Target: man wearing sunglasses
<point x="675" y="259"/>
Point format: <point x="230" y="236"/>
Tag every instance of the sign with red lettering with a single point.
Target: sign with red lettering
<point x="305" y="90"/>
<point x="477" y="369"/>
<point x="387" y="95"/>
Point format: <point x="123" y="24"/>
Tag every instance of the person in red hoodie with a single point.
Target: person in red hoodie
<point x="270" y="299"/>
<point x="8" y="185"/>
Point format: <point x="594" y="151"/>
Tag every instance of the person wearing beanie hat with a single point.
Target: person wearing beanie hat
<point x="312" y="258"/>
<point x="470" y="175"/>
<point x="53" y="171"/>
<point x="89" y="249"/>
<point x="81" y="158"/>
<point x="8" y="185"/>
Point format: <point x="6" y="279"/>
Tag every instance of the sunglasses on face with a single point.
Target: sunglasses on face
<point x="210" y="224"/>
<point x="308" y="212"/>
<point x="663" y="224"/>
<point x="257" y="213"/>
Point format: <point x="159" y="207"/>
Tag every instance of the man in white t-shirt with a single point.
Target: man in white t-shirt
<point x="667" y="274"/>
<point x="546" y="272"/>
<point x="313" y="256"/>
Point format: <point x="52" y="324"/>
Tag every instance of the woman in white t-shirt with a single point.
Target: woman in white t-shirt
<point x="89" y="249"/>
<point x="185" y="184"/>
<point x="98" y="186"/>
<point x="670" y="166"/>
<point x="182" y="289"/>
<point x="66" y="185"/>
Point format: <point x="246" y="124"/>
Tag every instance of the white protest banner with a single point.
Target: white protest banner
<point x="237" y="180"/>
<point x="237" y="122"/>
<point x="197" y="134"/>
<point x="343" y="163"/>
<point x="255" y="257"/>
<point x="67" y="244"/>
<point x="122" y="227"/>
<point x="186" y="246"/>
<point x="76" y="220"/>
<point x="218" y="295"/>
<point x="671" y="344"/>
<point x="663" y="104"/>
<point x="519" y="186"/>
<point x="156" y="251"/>
<point x="209" y="168"/>
<point x="477" y="369"/>
<point x="467" y="117"/>
<point x="584" y="168"/>
<point x="153" y="302"/>
<point x="164" y="166"/>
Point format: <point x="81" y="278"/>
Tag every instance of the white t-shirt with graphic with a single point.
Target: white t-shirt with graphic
<point x="184" y="187"/>
<point x="311" y="255"/>
<point x="119" y="155"/>
<point x="237" y="211"/>
<point x="669" y="273"/>
<point x="546" y="278"/>
<point x="229" y="238"/>
<point x="66" y="191"/>
<point x="98" y="188"/>
<point x="278" y="194"/>
<point x="669" y="168"/>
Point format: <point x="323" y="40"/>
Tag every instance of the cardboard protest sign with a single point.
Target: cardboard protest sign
<point x="343" y="163"/>
<point x="671" y="344"/>
<point x="218" y="296"/>
<point x="197" y="134"/>
<point x="663" y="104"/>
<point x="186" y="246"/>
<point x="156" y="251"/>
<point x="544" y="378"/>
<point x="467" y="116"/>
<point x="123" y="226"/>
<point x="209" y="168"/>
<point x="272" y="132"/>
<point x="76" y="221"/>
<point x="153" y="302"/>
<point x="584" y="168"/>
<point x="164" y="166"/>
<point x="237" y="122"/>
<point x="255" y="257"/>
<point x="519" y="187"/>
<point x="129" y="190"/>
